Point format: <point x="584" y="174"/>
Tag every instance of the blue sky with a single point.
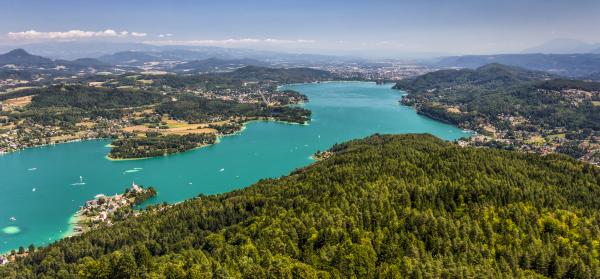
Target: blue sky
<point x="436" y="26"/>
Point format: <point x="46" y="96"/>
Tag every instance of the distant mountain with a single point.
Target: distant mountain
<point x="594" y="77"/>
<point x="214" y="64"/>
<point x="79" y="49"/>
<point x="571" y="65"/>
<point x="563" y="46"/>
<point x="74" y="50"/>
<point x="89" y="62"/>
<point x="22" y="57"/>
<point x="19" y="63"/>
<point x="130" y="58"/>
<point x="13" y="74"/>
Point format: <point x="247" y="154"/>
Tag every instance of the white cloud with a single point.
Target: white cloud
<point x="71" y="34"/>
<point x="230" y="42"/>
<point x="165" y="35"/>
<point x="136" y="34"/>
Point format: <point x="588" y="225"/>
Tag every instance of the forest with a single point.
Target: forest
<point x="154" y="144"/>
<point x="387" y="206"/>
<point x="85" y="97"/>
<point x="493" y="90"/>
<point x="198" y="110"/>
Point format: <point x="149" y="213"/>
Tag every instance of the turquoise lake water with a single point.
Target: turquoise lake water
<point x="341" y="111"/>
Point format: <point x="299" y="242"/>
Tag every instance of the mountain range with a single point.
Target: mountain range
<point x="106" y="51"/>
<point x="19" y="58"/>
<point x="570" y="65"/>
<point x="565" y="46"/>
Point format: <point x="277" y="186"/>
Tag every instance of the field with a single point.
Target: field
<point x="19" y="102"/>
<point x="175" y="128"/>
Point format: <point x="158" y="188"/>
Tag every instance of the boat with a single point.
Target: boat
<point x="80" y="181"/>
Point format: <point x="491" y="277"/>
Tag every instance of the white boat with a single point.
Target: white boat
<point x="80" y="181"/>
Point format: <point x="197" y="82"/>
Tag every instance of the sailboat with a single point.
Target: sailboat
<point x="80" y="182"/>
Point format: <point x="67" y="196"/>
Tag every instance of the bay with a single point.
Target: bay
<point x="41" y="188"/>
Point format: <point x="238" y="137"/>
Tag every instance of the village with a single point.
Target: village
<point x="101" y="211"/>
<point x="586" y="146"/>
<point x="105" y="210"/>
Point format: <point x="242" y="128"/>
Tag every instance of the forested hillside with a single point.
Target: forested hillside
<point x="383" y="207"/>
<point x="514" y="107"/>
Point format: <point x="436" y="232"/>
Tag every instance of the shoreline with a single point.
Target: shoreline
<point x="217" y="141"/>
<point x="2" y="153"/>
<point x="77" y="218"/>
<point x="50" y="144"/>
<point x="165" y="155"/>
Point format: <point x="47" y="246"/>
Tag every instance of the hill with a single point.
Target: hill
<point x="89" y="62"/>
<point x="215" y="64"/>
<point x="22" y="57"/>
<point x="514" y="107"/>
<point x="282" y="75"/>
<point x="488" y="76"/>
<point x="136" y="58"/>
<point x="570" y="65"/>
<point x="382" y="207"/>
<point x="188" y="53"/>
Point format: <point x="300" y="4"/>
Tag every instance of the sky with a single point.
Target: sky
<point x="377" y="27"/>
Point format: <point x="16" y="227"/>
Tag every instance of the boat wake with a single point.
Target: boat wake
<point x="79" y="183"/>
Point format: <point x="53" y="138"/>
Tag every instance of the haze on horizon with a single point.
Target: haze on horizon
<point x="364" y="28"/>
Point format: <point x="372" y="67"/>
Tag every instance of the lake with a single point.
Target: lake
<point x="41" y="188"/>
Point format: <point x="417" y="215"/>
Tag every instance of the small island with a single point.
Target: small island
<point x="104" y="210"/>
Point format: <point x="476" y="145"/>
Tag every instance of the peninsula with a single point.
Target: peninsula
<point x="105" y="210"/>
<point x="181" y="112"/>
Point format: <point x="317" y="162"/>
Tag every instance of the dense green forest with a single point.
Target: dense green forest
<point x="85" y="97"/>
<point x="198" y="109"/>
<point x="65" y="105"/>
<point x="494" y="90"/>
<point x="154" y="145"/>
<point x="406" y="206"/>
